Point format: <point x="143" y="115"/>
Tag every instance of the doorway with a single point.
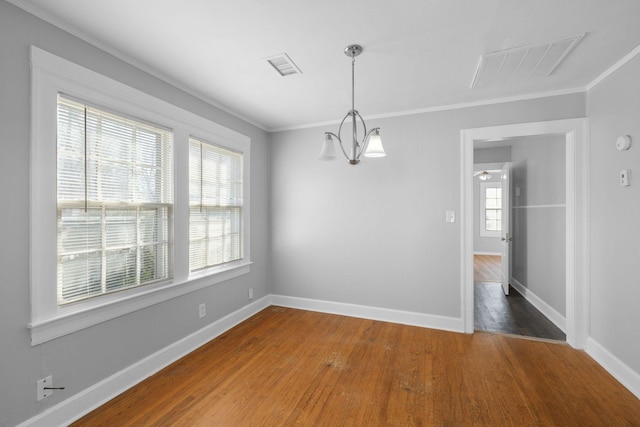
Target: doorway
<point x="519" y="222"/>
<point x="574" y="133"/>
<point x="492" y="210"/>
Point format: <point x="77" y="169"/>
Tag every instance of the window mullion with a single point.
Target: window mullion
<point x="97" y="160"/>
<point x="138" y="247"/>
<point x="103" y="252"/>
<point x="86" y="163"/>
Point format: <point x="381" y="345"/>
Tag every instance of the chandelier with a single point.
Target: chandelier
<point x="371" y="144"/>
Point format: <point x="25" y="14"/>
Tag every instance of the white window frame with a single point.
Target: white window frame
<point x="232" y="203"/>
<point x="51" y="75"/>
<point x="483" y="204"/>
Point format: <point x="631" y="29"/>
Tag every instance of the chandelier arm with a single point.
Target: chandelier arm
<point x="365" y="142"/>
<point x="342" y="122"/>
<point x="340" y="139"/>
<point x="354" y="137"/>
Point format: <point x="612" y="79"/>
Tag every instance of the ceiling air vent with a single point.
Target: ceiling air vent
<point x="283" y="64"/>
<point x="521" y="63"/>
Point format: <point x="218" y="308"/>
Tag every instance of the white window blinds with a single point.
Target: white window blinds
<point x="215" y="204"/>
<point x="114" y="201"/>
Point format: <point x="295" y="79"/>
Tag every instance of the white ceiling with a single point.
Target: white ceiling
<point x="418" y="54"/>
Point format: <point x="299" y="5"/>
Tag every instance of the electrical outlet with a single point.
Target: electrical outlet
<point x="202" y="310"/>
<point x="41" y="393"/>
<point x="250" y="294"/>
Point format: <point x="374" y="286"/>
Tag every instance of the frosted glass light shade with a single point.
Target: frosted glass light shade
<point x="375" y="149"/>
<point x="328" y="151"/>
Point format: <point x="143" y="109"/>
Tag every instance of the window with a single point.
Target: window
<point x="114" y="201"/>
<point x="110" y="202"/>
<point x="215" y="205"/>
<point x="491" y="209"/>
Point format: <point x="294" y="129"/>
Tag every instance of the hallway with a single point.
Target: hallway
<point x="512" y="314"/>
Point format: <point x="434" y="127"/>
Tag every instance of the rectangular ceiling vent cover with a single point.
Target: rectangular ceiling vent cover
<point x="283" y="65"/>
<point x="521" y="63"/>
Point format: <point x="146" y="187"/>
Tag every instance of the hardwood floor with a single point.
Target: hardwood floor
<point x="486" y="268"/>
<point x="495" y="312"/>
<point x="286" y="367"/>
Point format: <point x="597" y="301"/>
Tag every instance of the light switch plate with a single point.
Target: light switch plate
<point x="451" y="216"/>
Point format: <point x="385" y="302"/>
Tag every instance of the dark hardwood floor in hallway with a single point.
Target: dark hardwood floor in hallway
<point x="512" y="314"/>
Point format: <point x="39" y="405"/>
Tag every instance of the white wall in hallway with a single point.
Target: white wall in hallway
<point x="538" y="217"/>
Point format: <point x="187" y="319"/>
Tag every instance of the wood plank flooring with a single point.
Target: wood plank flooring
<point x="495" y="312"/>
<point x="286" y="367"/>
<point x="486" y="268"/>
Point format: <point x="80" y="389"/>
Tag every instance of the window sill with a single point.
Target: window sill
<point x="493" y="234"/>
<point x="85" y="314"/>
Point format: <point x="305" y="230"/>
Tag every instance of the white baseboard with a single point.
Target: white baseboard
<point x="488" y="253"/>
<point x="617" y="368"/>
<point x="89" y="399"/>
<point x="452" y="324"/>
<point x="98" y="394"/>
<point x="558" y="319"/>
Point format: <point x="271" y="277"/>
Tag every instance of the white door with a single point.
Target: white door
<point x="505" y="230"/>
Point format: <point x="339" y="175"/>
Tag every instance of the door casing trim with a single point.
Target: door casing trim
<point x="577" y="242"/>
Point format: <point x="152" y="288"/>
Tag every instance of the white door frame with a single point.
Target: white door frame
<point x="577" y="251"/>
<point x="505" y="260"/>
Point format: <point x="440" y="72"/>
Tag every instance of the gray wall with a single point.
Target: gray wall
<point x="614" y="110"/>
<point x="375" y="234"/>
<point x="492" y="155"/>
<point x="82" y="359"/>
<point x="538" y="256"/>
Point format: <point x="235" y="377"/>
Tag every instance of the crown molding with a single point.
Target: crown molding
<point x="29" y="8"/>
<point x="615" y="67"/>
<point x="449" y="107"/>
<point x="39" y="13"/>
